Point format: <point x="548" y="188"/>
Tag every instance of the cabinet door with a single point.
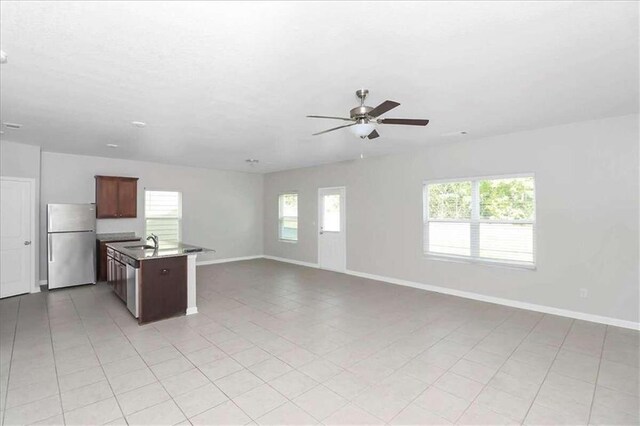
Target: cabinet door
<point x="127" y="197"/>
<point x="106" y="197"/>
<point x="163" y="288"/>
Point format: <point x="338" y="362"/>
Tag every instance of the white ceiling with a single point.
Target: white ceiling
<point x="219" y="82"/>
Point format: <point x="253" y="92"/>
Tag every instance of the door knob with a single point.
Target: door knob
<point x="27" y="243"/>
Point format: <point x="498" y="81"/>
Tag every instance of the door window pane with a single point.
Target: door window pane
<point x="331" y="213"/>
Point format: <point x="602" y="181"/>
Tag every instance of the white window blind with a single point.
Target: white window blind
<point x="288" y="217"/>
<point x="481" y="219"/>
<point x="163" y="214"/>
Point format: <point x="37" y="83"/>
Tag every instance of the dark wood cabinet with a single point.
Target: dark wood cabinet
<point x="101" y="247"/>
<point x="116" y="197"/>
<point x="163" y="288"/>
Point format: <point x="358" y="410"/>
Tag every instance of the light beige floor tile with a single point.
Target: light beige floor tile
<point x="57" y="420"/>
<point x="415" y="415"/>
<point x="478" y="414"/>
<point x="141" y="398"/>
<point x="619" y="377"/>
<point x="33" y="411"/>
<point x="160" y="355"/>
<point x="95" y="414"/>
<point x="132" y="380"/>
<point x="576" y="365"/>
<point x="205" y="355"/>
<point x="29" y="393"/>
<point x="270" y="369"/>
<point x="320" y="370"/>
<point x="184" y="382"/>
<point x="200" y="400"/>
<point x="259" y="401"/>
<point x="423" y="371"/>
<point x="238" y="383"/>
<point x="293" y="384"/>
<point x="514" y="386"/>
<point x="320" y="402"/>
<point x="540" y="415"/>
<point x="459" y="386"/>
<point x="171" y="367"/>
<point x="380" y="402"/>
<point x="473" y="370"/>
<point x="218" y="369"/>
<point x="606" y="416"/>
<point x="226" y="413"/>
<point x="504" y="403"/>
<point x="297" y="357"/>
<point x="442" y="403"/>
<point x="347" y="384"/>
<point x="251" y="356"/>
<point x="615" y="400"/>
<point x="165" y="413"/>
<point x="127" y="365"/>
<point x="81" y="397"/>
<point x="287" y="414"/>
<point x="351" y="414"/>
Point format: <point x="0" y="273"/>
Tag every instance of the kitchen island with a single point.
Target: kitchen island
<point x="154" y="283"/>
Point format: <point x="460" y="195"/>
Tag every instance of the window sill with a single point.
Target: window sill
<point x="288" y="241"/>
<point x="481" y="262"/>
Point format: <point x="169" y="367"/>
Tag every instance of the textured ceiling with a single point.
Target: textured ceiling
<point x="219" y="82"/>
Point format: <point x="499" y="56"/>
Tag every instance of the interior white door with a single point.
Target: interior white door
<point x="332" y="236"/>
<point x="15" y="237"/>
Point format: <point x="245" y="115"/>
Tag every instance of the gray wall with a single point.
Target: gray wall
<point x="587" y="214"/>
<point x="221" y="210"/>
<point x="20" y="160"/>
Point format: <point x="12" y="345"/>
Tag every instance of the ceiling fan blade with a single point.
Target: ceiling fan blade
<point x="332" y="118"/>
<point x="406" y="121"/>
<point x="335" y="128"/>
<point x="373" y="134"/>
<point x="382" y="108"/>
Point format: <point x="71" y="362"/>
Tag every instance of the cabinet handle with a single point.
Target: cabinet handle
<point x="164" y="271"/>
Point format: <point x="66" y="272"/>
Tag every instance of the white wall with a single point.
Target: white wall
<point x="20" y="160"/>
<point x="587" y="188"/>
<point x="221" y="210"/>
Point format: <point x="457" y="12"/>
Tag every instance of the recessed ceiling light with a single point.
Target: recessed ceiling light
<point x="14" y="126"/>
<point x="112" y="145"/>
<point x="252" y="161"/>
<point x="458" y="133"/>
<point x="139" y="123"/>
<point x="3" y="57"/>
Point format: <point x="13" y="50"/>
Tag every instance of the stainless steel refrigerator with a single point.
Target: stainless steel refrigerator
<point x="71" y="244"/>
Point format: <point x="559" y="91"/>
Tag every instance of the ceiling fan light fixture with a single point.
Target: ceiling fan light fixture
<point x="362" y="130"/>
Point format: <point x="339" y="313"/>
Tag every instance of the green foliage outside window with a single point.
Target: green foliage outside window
<point x="507" y="199"/>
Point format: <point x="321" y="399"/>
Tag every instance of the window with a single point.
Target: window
<point x="288" y="217"/>
<point x="163" y="214"/>
<point x="483" y="219"/>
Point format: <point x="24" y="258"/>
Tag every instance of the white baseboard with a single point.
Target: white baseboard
<point x="228" y="259"/>
<point x="43" y="282"/>
<point x="295" y="262"/>
<point x="191" y="311"/>
<point x="500" y="301"/>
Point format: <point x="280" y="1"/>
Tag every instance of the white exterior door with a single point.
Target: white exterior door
<point x="16" y="254"/>
<point x="332" y="236"/>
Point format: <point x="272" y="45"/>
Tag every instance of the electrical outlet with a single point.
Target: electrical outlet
<point x="584" y="293"/>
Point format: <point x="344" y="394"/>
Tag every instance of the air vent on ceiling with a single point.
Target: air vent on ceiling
<point x="12" y="125"/>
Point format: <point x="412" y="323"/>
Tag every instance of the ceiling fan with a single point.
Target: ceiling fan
<point x="364" y="118"/>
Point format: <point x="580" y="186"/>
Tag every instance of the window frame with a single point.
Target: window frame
<point x="475" y="219"/>
<point x="179" y="218"/>
<point x="280" y="217"/>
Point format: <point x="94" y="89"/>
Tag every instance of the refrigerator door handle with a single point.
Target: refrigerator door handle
<point x="50" y="249"/>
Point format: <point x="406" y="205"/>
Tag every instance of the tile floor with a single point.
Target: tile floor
<point x="278" y="344"/>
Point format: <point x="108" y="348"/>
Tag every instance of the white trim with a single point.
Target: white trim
<point x="500" y="301"/>
<point x="295" y="262"/>
<point x="44" y="282"/>
<point x="191" y="311"/>
<point x="228" y="259"/>
<point x="35" y="286"/>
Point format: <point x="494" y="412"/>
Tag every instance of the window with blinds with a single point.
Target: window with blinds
<point x="482" y="219"/>
<point x="163" y="214"/>
<point x="288" y="217"/>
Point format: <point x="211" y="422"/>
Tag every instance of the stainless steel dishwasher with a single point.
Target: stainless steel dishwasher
<point x="133" y="269"/>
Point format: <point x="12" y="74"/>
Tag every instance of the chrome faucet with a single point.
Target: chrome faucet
<point x="154" y="238"/>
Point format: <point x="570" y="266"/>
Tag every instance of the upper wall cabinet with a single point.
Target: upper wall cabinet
<point x="116" y="197"/>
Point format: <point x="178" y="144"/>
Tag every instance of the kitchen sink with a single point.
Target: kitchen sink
<point x="140" y="247"/>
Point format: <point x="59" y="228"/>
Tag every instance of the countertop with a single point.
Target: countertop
<point x="117" y="236"/>
<point x="164" y="250"/>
